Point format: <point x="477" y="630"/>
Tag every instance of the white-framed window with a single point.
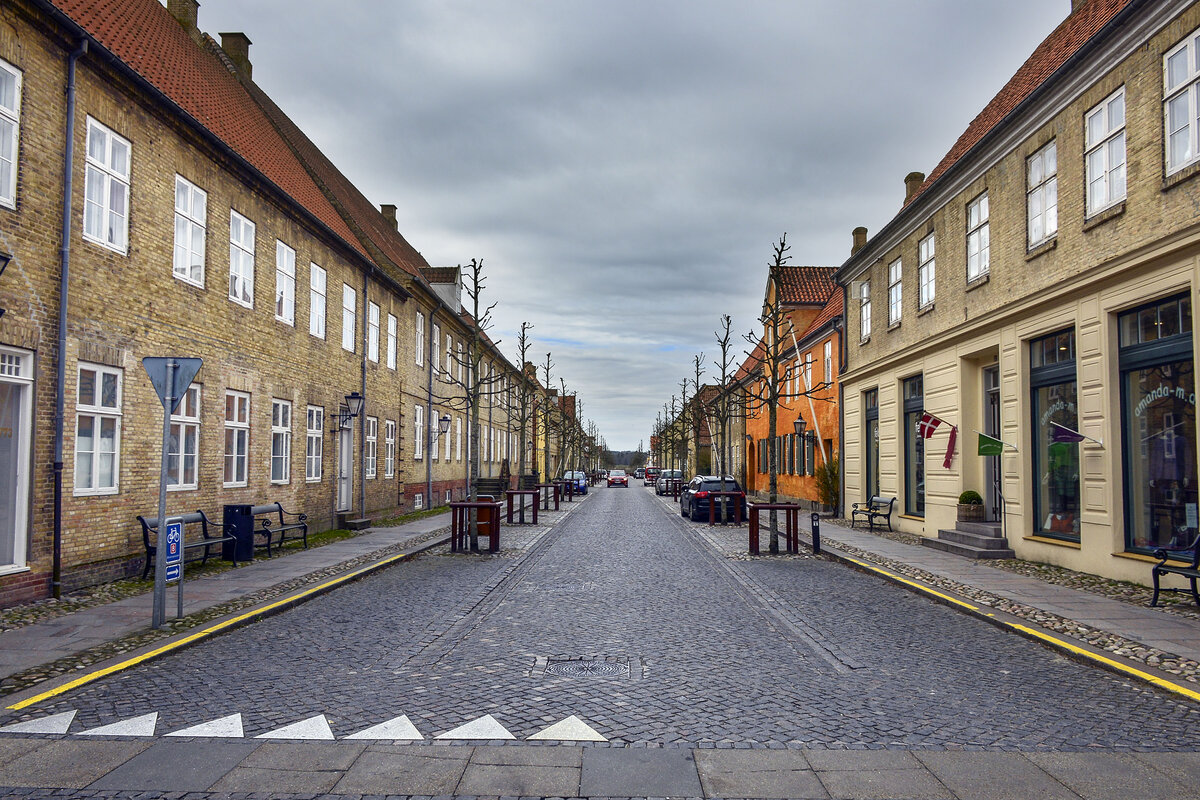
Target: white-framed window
<point x="437" y="337"/>
<point x="420" y="338"/>
<point x="829" y="362"/>
<point x="318" y="288"/>
<point x="979" y="238"/>
<point x="285" y="283"/>
<point x="371" y="452"/>
<point x="1104" y="134"/>
<point x="391" y="341"/>
<point x="1042" y="201"/>
<point x="106" y="188"/>
<point x="98" y="429"/>
<point x="314" y="444"/>
<point x="434" y="430"/>
<point x="373" y="332"/>
<point x="927" y="270"/>
<point x="237" y="437"/>
<point x="10" y="132"/>
<point x="241" y="259"/>
<point x="349" y="319"/>
<point x="447" y="374"/>
<point x="446" y="445"/>
<point x="191" y="214"/>
<point x="458" y="438"/>
<point x="864" y="310"/>
<point x="895" y="291"/>
<point x="460" y="362"/>
<point x="1181" y="104"/>
<point x="281" y="440"/>
<point x="418" y="501"/>
<point x="183" y="445"/>
<point x="808" y="362"/>
<point x="418" y="432"/>
<point x="389" y="448"/>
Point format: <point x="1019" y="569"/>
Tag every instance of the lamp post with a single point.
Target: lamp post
<point x="4" y="259"/>
<point x="350" y="408"/>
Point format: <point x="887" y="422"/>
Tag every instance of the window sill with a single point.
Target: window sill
<point x="234" y="485"/>
<point x="1136" y="557"/>
<point x="893" y="326"/>
<point x="312" y="480"/>
<point x="182" y="488"/>
<point x="923" y="310"/>
<point x="1103" y="216"/>
<point x="280" y="483"/>
<point x="124" y="251"/>
<point x="187" y="282"/>
<point x="291" y="323"/>
<point x="977" y="281"/>
<point x="97" y="492"/>
<point x="913" y="517"/>
<point x="1041" y="249"/>
<point x="13" y="569"/>
<point x="1180" y="176"/>
<point x="237" y="302"/>
<point x="1054" y="541"/>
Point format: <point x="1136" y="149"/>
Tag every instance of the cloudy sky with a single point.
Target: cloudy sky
<point x="623" y="167"/>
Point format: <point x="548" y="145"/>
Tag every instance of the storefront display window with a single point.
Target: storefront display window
<point x="871" y="400"/>
<point x="914" y="447"/>
<point x="1158" y="404"/>
<point x="1056" y="435"/>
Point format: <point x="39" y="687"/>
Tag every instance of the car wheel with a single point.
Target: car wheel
<point x="682" y="511"/>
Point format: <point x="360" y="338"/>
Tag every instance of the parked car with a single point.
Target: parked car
<point x="639" y="472"/>
<point x="694" y="501"/>
<point x="661" y="486"/>
<point x="603" y="474"/>
<point x="651" y="476"/>
<point x="617" y="477"/>
<point x="579" y="479"/>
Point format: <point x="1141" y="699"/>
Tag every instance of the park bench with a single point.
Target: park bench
<point x="877" y="508"/>
<point x="211" y="535"/>
<point x="275" y="522"/>
<point x="1190" y="570"/>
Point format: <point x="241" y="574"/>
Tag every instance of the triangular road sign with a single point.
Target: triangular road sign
<point x="185" y="371"/>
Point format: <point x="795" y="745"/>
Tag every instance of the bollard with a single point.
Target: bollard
<point x="816" y="532"/>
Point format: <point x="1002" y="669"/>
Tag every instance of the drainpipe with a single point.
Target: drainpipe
<point x="362" y="416"/>
<point x="63" y="285"/>
<point x="842" y="362"/>
<point x="431" y="421"/>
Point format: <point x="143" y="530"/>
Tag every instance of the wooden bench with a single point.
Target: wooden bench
<point x="876" y="508"/>
<point x="211" y="533"/>
<point x="1190" y="570"/>
<point x="275" y="522"/>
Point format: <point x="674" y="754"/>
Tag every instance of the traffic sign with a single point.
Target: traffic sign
<point x="185" y="370"/>
<point x="174" y="542"/>
<point x="173" y="571"/>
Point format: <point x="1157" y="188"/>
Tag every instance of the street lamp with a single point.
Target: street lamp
<point x="800" y="424"/>
<point x="352" y="408"/>
<point x="4" y="259"/>
<point x="443" y="426"/>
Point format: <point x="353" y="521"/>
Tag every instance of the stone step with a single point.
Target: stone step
<point x="966" y="550"/>
<point x="356" y="524"/>
<point x="974" y="539"/>
<point x="980" y="528"/>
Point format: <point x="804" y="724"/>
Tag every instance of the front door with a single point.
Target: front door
<point x="16" y="425"/>
<point x="991" y="426"/>
<point x="345" y="489"/>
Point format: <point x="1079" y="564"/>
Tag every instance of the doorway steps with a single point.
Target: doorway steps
<point x="973" y="540"/>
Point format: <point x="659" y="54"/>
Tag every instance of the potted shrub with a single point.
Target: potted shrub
<point x="970" y="507"/>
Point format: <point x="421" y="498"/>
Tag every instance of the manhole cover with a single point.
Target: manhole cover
<point x="588" y="669"/>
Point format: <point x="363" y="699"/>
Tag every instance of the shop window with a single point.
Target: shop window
<point x="871" y="435"/>
<point x="914" y="447"/>
<point x="1055" y="437"/>
<point x="1158" y="410"/>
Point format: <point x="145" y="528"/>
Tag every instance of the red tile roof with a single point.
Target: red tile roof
<point x="753" y="362"/>
<point x="833" y="308"/>
<point x="806" y="285"/>
<point x="144" y="35"/>
<point x="1052" y="53"/>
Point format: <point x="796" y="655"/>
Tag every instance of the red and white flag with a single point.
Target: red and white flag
<point x="928" y="424"/>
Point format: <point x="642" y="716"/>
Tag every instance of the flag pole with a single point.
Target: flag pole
<point x="1077" y="433"/>
<point x="1001" y="441"/>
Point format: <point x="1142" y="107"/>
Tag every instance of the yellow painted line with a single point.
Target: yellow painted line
<point x="918" y="586"/>
<point x="1134" y="671"/>
<point x="200" y="634"/>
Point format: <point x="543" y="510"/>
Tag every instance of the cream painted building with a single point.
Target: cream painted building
<point x="1038" y="285"/>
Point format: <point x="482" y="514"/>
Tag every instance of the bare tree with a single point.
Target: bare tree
<point x="721" y="408"/>
<point x="524" y="397"/>
<point x="546" y="424"/>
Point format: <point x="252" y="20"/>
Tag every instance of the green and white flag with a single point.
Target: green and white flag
<point x="989" y="446"/>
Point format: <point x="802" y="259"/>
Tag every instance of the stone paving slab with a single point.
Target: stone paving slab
<point x="68" y="764"/>
<point x="635" y="771"/>
<point x="177" y="766"/>
<point x="993" y="776"/>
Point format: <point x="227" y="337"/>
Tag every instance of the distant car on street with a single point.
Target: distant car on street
<point x="695" y="500"/>
<point x="650" y="476"/>
<point x="618" y="478"/>
<point x="577" y="478"/>
<point x="662" y="485"/>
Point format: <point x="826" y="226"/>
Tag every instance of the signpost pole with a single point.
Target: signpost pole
<point x="160" y="566"/>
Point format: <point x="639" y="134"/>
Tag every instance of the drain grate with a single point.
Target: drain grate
<point x="587" y="668"/>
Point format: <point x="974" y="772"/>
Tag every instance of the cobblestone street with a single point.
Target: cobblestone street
<point x="628" y="617"/>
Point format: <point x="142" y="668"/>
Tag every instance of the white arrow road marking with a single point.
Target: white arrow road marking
<point x="485" y="727"/>
<point x="312" y="728"/>
<point x="224" y="728"/>
<point x="137" y="726"/>
<point x="571" y="729"/>
<point x="56" y="723"/>
<point x="396" y="728"/>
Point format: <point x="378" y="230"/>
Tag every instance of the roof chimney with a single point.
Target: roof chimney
<point x="860" y="239"/>
<point x="184" y="11"/>
<point x="912" y="182"/>
<point x="237" y="46"/>
<point x="389" y="213"/>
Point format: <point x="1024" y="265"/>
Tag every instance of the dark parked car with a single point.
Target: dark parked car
<point x="661" y="486"/>
<point x="618" y="478"/>
<point x="694" y="501"/>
